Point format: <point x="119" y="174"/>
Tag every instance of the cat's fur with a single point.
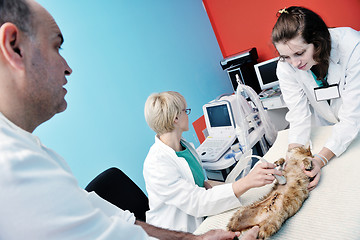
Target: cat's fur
<point x="282" y="202"/>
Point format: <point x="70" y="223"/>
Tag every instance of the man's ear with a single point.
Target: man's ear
<point x="10" y="45"/>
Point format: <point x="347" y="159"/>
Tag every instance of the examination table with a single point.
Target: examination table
<point x="332" y="210"/>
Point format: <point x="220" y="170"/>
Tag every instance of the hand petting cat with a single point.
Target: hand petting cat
<point x="261" y="175"/>
<point x="314" y="174"/>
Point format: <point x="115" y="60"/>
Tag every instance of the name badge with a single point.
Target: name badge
<point x="327" y="93"/>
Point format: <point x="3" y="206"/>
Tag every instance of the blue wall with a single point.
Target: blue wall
<point x="120" y="53"/>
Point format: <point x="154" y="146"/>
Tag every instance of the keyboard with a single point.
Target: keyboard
<point x="212" y="149"/>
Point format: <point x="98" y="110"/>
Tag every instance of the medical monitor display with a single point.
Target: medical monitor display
<point x="266" y="73"/>
<point x="219" y="116"/>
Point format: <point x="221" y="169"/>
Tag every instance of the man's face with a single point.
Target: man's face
<point x="46" y="69"/>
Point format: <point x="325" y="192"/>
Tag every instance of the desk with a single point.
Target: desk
<point x="332" y="210"/>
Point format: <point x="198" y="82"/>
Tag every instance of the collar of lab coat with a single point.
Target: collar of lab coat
<point x="172" y="151"/>
<point x="322" y="107"/>
<point x="19" y="130"/>
<point x="183" y="165"/>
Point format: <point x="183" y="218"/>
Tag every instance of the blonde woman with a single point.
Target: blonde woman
<point x="174" y="177"/>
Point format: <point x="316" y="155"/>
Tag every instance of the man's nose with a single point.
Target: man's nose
<point x="68" y="69"/>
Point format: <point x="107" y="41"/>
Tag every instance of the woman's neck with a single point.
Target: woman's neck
<point x="172" y="139"/>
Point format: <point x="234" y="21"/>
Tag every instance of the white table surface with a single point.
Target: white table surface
<point x="332" y="210"/>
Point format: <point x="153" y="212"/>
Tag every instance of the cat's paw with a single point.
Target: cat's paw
<point x="308" y="163"/>
<point x="280" y="162"/>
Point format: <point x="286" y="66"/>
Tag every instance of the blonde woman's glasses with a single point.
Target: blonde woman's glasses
<point x="187" y="111"/>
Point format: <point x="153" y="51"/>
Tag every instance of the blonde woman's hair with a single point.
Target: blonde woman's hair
<point x="161" y="109"/>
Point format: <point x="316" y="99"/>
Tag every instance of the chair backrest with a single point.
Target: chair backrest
<point x="117" y="188"/>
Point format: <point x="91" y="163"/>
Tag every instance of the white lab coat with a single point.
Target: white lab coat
<point x="298" y="86"/>
<point x="176" y="202"/>
<point x="40" y="198"/>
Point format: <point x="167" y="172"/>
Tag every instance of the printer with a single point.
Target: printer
<point x="242" y="64"/>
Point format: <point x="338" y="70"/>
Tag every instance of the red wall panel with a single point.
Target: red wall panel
<point x="199" y="126"/>
<point x="241" y="24"/>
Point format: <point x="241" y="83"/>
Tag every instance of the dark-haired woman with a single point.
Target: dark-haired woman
<point x="319" y="74"/>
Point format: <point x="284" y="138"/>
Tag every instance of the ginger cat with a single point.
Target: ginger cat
<point x="282" y="202"/>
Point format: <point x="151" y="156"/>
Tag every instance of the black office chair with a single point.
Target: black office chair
<point x="114" y="186"/>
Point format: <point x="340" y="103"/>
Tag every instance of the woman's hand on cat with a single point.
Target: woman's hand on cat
<point x="262" y="174"/>
<point x="258" y="177"/>
<point x="314" y="174"/>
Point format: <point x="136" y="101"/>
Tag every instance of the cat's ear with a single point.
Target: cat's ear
<point x="308" y="146"/>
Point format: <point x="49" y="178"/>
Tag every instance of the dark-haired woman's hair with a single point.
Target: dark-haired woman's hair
<point x="299" y="21"/>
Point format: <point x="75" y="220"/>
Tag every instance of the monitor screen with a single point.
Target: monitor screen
<point x="266" y="73"/>
<point x="219" y="116"/>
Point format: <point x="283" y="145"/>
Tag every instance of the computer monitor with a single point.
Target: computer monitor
<point x="218" y="117"/>
<point x="266" y="73"/>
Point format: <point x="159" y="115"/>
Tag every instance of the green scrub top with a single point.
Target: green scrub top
<point x="319" y="82"/>
<point x="194" y="165"/>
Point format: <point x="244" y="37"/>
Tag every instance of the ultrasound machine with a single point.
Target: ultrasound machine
<point x="237" y="124"/>
<point x="220" y="125"/>
<point x="222" y="116"/>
